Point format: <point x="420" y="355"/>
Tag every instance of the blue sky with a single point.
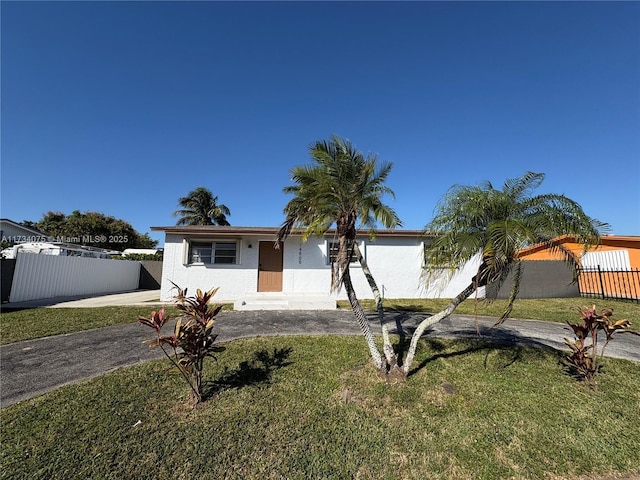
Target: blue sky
<point x="123" y="107"/>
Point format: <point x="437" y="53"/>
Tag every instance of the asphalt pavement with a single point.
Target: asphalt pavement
<point x="34" y="367"/>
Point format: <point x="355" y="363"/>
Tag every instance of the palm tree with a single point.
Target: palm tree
<point x="200" y="207"/>
<point x="493" y="226"/>
<point x="342" y="187"/>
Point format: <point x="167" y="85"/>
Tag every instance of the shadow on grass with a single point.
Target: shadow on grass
<point x="438" y="356"/>
<point x="508" y="342"/>
<point x="509" y="353"/>
<point x="254" y="372"/>
<point x="409" y="307"/>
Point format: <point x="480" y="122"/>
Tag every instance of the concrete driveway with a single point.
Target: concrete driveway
<point x="137" y="297"/>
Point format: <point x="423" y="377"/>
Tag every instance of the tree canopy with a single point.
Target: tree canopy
<point x="497" y="224"/>
<point x="493" y="226"/>
<point x="93" y="229"/>
<point x="341" y="187"/>
<point x="200" y="207"/>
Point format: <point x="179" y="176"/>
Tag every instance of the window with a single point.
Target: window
<point x="200" y="252"/>
<point x="332" y="249"/>
<point x="224" y="252"/>
<point x="428" y="245"/>
<point x="214" y="252"/>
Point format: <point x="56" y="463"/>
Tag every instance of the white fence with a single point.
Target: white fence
<point x="49" y="276"/>
<point x="608" y="260"/>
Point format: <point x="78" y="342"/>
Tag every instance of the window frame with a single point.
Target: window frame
<point x="354" y="260"/>
<point x="425" y="246"/>
<point x="188" y="251"/>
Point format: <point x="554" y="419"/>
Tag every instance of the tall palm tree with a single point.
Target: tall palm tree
<point x="342" y="187"/>
<point x="493" y="226"/>
<point x="200" y="207"/>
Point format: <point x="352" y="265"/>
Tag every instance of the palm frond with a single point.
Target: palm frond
<point x="497" y="224"/>
<point x="343" y="187"/>
<point x="200" y="207"/>
<point x="518" y="188"/>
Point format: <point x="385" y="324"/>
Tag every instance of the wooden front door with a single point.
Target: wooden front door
<point x="270" y="268"/>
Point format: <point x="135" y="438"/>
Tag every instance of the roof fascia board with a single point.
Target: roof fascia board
<point x="262" y="231"/>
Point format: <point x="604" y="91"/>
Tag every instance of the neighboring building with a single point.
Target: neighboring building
<point x="12" y="233"/>
<point x="614" y="252"/>
<point x="28" y="240"/>
<point x="251" y="272"/>
<point x="608" y="270"/>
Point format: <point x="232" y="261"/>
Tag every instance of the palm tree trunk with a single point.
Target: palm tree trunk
<point x="362" y="320"/>
<point x="432" y="320"/>
<point x="389" y="352"/>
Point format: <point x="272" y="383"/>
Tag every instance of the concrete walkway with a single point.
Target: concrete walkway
<point x="34" y="367"/>
<point x="137" y="297"/>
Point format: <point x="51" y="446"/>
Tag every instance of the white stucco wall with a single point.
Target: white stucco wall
<point x="396" y="264"/>
<point x="233" y="280"/>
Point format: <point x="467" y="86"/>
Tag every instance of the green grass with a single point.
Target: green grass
<point x="551" y="309"/>
<point x="27" y="324"/>
<point x="41" y="322"/>
<point x="472" y="411"/>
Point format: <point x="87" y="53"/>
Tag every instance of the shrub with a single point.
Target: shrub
<point x="583" y="361"/>
<point x="192" y="340"/>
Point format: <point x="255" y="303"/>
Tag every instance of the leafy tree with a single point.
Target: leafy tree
<point x="28" y="224"/>
<point x="54" y="224"/>
<point x="200" y="207"/>
<point x="342" y="187"/>
<point x="493" y="225"/>
<point x="93" y="229"/>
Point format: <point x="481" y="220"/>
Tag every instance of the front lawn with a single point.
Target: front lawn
<point x="27" y="324"/>
<point x="302" y="407"/>
<point x="550" y="309"/>
<point x="42" y="322"/>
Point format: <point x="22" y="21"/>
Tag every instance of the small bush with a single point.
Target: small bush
<point x="192" y="340"/>
<point x="583" y="361"/>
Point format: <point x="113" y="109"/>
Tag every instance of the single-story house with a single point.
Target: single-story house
<point x="251" y="272"/>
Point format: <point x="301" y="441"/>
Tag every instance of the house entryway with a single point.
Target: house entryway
<point x="270" y="295"/>
<point x="270" y="267"/>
